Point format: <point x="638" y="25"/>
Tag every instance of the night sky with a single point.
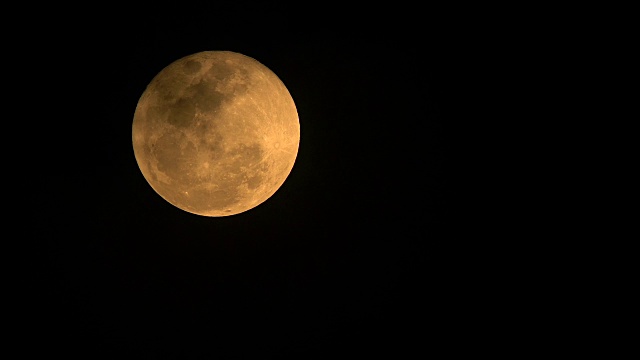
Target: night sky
<point x="357" y="253"/>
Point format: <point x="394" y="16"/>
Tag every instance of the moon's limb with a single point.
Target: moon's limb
<point x="216" y="133"/>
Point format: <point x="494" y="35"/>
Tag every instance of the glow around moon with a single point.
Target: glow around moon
<point x="216" y="133"/>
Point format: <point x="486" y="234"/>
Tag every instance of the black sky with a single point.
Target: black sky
<point x="355" y="254"/>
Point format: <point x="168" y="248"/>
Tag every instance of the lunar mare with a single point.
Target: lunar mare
<point x="216" y="133"/>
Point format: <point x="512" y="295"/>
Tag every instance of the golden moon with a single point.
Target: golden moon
<point x="216" y="133"/>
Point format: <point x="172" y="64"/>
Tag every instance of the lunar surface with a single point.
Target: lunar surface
<point x="216" y="133"/>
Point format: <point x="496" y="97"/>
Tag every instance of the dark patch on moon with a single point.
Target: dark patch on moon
<point x="254" y="181"/>
<point x="221" y="71"/>
<point x="192" y="66"/>
<point x="182" y="113"/>
<point x="170" y="150"/>
<point x="205" y="95"/>
<point x="233" y="79"/>
<point x="258" y="175"/>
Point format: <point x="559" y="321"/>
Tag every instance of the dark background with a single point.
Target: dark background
<point x="359" y="252"/>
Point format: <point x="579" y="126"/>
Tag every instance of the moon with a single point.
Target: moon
<point x="216" y="133"/>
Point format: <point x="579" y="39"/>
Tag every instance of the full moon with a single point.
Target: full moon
<point x="216" y="133"/>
